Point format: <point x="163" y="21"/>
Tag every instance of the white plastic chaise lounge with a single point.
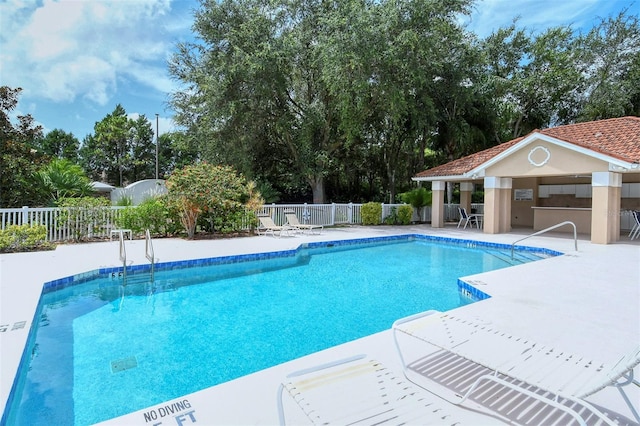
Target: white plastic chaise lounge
<point x="267" y="225"/>
<point x="512" y="377"/>
<point x="292" y="220"/>
<point x="357" y="391"/>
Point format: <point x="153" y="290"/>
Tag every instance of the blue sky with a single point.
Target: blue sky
<point x="77" y="59"/>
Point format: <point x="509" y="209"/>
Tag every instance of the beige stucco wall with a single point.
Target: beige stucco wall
<point x="605" y="224"/>
<point x="546" y="217"/>
<point x="561" y="161"/>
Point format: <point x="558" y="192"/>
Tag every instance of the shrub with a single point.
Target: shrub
<point x="129" y="218"/>
<point x="23" y="238"/>
<point x="152" y="214"/>
<point x="417" y="198"/>
<point x="392" y="217"/>
<point x="399" y="215"/>
<point x="371" y="213"/>
<point x="124" y="201"/>
<point x="83" y="216"/>
<point x="210" y="191"/>
<point x="405" y="213"/>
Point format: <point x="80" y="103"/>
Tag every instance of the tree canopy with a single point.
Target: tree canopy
<point x="342" y="101"/>
<point x="351" y="98"/>
<point x="19" y="160"/>
<point x="121" y="150"/>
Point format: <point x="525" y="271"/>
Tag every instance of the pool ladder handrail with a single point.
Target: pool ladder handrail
<point x="567" y="222"/>
<point x="123" y="257"/>
<point x="148" y="251"/>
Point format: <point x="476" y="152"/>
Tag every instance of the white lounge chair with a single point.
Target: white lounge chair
<point x="267" y="225"/>
<point x="361" y="391"/>
<point x="468" y="218"/>
<point x="292" y="220"/>
<point x="514" y="377"/>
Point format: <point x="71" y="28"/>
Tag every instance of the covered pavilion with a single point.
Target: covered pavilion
<point x="587" y="173"/>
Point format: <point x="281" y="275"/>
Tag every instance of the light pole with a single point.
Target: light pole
<point x="157" y="142"/>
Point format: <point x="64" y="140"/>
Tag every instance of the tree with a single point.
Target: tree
<point x="63" y="179"/>
<point x="176" y="150"/>
<point x="143" y="163"/>
<point x="59" y="144"/>
<point x="257" y="80"/>
<point x="120" y="150"/>
<point x="18" y="160"/>
<point x="204" y="188"/>
<point x="106" y="155"/>
<point x="535" y="79"/>
<point x="610" y="60"/>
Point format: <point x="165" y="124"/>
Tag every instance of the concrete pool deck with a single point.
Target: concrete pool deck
<point x="586" y="302"/>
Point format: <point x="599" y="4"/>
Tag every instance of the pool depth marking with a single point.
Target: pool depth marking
<point x="176" y="411"/>
<point x="19" y="325"/>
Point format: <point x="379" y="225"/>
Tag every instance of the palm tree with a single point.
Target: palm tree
<point x="61" y="179"/>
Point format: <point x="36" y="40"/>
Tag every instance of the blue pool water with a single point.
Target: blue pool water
<point x="100" y="349"/>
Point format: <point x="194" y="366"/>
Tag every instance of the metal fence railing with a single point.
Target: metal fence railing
<point x="70" y="223"/>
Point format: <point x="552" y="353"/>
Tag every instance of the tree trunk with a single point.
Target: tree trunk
<point x="317" y="186"/>
<point x="392" y="185"/>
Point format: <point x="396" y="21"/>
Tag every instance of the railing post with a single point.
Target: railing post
<point x="333" y="214"/>
<point x="306" y="214"/>
<point x="350" y="213"/>
<point x="25" y="215"/>
<point x="382" y="213"/>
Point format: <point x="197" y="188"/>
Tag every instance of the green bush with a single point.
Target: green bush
<point x="371" y="213"/>
<point x="405" y="213"/>
<point x="152" y="214"/>
<point x="417" y="198"/>
<point x="202" y="192"/>
<point x="124" y="201"/>
<point x="84" y="216"/>
<point x="399" y="215"/>
<point x="129" y="218"/>
<point x="392" y="217"/>
<point x="23" y="238"/>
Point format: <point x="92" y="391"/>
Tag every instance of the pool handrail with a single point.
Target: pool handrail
<point x="123" y="257"/>
<point x="148" y="251"/>
<point x="567" y="222"/>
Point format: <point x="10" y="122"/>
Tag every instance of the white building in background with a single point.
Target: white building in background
<point x="139" y="191"/>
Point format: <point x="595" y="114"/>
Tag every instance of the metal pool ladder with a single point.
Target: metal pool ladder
<point x="568" y="222"/>
<point x="148" y="251"/>
<point x="123" y="258"/>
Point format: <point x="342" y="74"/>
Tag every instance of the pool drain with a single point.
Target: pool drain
<point x="123" y="364"/>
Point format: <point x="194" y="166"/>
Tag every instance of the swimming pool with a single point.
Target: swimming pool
<point x="133" y="346"/>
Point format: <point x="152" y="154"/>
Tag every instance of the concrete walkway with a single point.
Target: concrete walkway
<point x="587" y="302"/>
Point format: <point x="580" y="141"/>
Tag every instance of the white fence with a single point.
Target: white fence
<point x="66" y="223"/>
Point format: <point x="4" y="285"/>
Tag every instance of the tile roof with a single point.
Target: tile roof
<point x="615" y="137"/>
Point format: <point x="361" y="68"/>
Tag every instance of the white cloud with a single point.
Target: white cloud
<point x="69" y="49"/>
<point x="164" y="124"/>
<point x="536" y="15"/>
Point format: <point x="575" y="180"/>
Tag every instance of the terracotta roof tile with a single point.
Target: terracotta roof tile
<point x="616" y="137"/>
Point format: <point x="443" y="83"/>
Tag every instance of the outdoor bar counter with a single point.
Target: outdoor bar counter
<point x="544" y="217"/>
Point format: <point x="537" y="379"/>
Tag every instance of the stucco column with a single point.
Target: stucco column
<point x="466" y="188"/>
<point x="497" y="204"/>
<point x="605" y="207"/>
<point x="438" y="189"/>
